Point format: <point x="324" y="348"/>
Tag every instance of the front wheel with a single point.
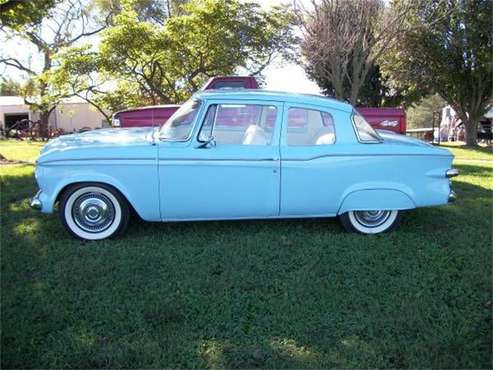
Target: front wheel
<point x="93" y="211"/>
<point x="370" y="222"/>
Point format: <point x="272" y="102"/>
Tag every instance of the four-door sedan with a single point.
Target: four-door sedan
<point x="242" y="155"/>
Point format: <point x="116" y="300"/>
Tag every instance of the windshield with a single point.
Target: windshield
<point x="179" y="126"/>
<point x="364" y="131"/>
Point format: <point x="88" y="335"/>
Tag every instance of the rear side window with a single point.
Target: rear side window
<point x="307" y="127"/>
<point x="364" y="131"/>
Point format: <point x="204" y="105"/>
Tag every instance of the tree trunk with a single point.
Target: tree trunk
<point x="43" y="125"/>
<point x="471" y="126"/>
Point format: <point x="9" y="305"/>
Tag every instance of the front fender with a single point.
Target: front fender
<point x="376" y="199"/>
<point x="55" y="181"/>
<point x="82" y="177"/>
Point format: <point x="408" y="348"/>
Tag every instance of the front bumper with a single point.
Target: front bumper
<point x="452" y="196"/>
<point x="36" y="201"/>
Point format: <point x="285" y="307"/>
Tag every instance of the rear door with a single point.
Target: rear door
<point x="311" y="168"/>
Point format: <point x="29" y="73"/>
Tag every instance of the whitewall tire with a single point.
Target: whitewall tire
<point x="370" y="222"/>
<point x="93" y="211"/>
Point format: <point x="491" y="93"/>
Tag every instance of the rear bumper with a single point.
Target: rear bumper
<point x="452" y="196"/>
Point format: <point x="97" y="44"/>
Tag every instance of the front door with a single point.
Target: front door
<point x="235" y="176"/>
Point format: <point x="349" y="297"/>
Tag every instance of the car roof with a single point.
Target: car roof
<point x="260" y="94"/>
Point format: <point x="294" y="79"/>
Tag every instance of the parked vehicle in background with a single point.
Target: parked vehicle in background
<point x="158" y="114"/>
<point x="391" y="119"/>
<point x="250" y="154"/>
<point x="154" y="115"/>
<point x="231" y="82"/>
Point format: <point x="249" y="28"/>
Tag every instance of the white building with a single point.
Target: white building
<point x="70" y="115"/>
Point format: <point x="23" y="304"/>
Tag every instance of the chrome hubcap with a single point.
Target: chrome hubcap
<point x="371" y="218"/>
<point x="93" y="212"/>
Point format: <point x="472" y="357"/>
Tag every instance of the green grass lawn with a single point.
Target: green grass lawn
<point x="269" y="294"/>
<point x="16" y="150"/>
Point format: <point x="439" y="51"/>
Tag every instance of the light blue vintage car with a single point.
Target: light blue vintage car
<point x="229" y="155"/>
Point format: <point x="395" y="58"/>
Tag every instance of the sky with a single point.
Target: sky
<point x="288" y="76"/>
<point x="280" y="76"/>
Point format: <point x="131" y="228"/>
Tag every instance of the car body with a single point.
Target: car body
<point x="248" y="154"/>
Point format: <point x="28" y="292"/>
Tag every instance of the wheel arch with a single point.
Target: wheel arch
<point x="108" y="181"/>
<point x="376" y="199"/>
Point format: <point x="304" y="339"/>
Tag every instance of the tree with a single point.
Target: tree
<point x="342" y="41"/>
<point x="154" y="11"/>
<point x="447" y="48"/>
<point x="17" y="13"/>
<point x="376" y="90"/>
<point x="420" y="115"/>
<point x="75" y="75"/>
<point x="150" y="63"/>
<point x="63" y="26"/>
<point x="9" y="87"/>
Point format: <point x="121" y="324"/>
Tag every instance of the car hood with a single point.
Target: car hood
<point x="96" y="142"/>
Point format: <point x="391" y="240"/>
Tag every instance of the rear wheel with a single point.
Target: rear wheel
<point x="370" y="222"/>
<point x="93" y="211"/>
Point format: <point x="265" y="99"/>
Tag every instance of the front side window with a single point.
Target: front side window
<point x="179" y="125"/>
<point x="364" y="131"/>
<point x="239" y="124"/>
<point x="307" y="127"/>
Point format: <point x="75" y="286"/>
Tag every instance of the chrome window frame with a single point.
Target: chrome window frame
<point x="203" y="121"/>
<point x="378" y="140"/>
<point x="193" y="124"/>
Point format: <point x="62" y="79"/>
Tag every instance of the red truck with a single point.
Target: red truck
<point x="158" y="114"/>
<point x="392" y="119"/>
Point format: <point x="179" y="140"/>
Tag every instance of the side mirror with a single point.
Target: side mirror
<point x="208" y="142"/>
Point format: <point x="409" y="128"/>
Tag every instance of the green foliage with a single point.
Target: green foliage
<point x="64" y="26"/>
<point x="421" y="114"/>
<point x="17" y="13"/>
<point x="164" y="64"/>
<point x="264" y="294"/>
<point x="154" y="11"/>
<point x="9" y="87"/>
<point x="447" y="49"/>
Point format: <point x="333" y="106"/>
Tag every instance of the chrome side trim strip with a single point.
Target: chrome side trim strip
<point x="94" y="159"/>
<point x="241" y="159"/>
<point x="362" y="155"/>
<point x="220" y="159"/>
